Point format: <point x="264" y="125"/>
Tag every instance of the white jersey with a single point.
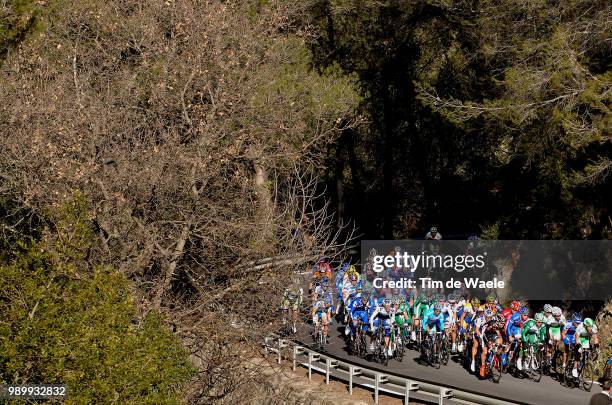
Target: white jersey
<point x="581" y="330"/>
<point x="382" y="312"/>
<point x="448" y="313"/>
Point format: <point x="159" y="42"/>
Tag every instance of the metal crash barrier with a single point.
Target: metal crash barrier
<point x="375" y="380"/>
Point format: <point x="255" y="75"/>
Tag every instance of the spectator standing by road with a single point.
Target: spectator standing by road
<point x="603" y="398"/>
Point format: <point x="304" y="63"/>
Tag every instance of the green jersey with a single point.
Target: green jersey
<point x="532" y="333"/>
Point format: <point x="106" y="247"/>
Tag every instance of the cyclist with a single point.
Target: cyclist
<point x="350" y="289"/>
<point x="533" y="333"/>
<point x="434" y="323"/>
<point x="382" y="317"/>
<point x="339" y="282"/>
<point x="514" y="334"/>
<point x="402" y="315"/>
<point x="568" y="334"/>
<point x="586" y="333"/>
<point x="456" y="306"/>
<point x="433" y="234"/>
<point x="319" y="272"/>
<point x="462" y="307"/>
<point x="478" y="321"/>
<point x="555" y="322"/>
<point x="359" y="313"/>
<point x="292" y="299"/>
<point x="421" y="305"/>
<point x="515" y="306"/>
<point x="448" y="316"/>
<point x="322" y="308"/>
<point x="491" y="304"/>
<point x="488" y="332"/>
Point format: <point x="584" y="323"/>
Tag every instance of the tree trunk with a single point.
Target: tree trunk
<point x="176" y="255"/>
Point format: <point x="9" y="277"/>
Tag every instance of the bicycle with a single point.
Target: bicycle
<point x="381" y="352"/>
<point x="533" y="362"/>
<point x="444" y="350"/>
<point x="358" y="342"/>
<point x="494" y="362"/>
<point x="430" y="349"/>
<point x="566" y="377"/>
<point x="397" y="338"/>
<point x="586" y="371"/>
<point x="319" y="335"/>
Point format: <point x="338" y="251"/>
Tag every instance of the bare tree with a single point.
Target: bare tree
<point x="193" y="129"/>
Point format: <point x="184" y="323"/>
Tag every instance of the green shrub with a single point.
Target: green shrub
<point x="63" y="323"/>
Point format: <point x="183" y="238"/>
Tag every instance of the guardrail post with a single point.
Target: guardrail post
<point x="410" y="386"/>
<point x="296" y="351"/>
<point x="376" y="382"/>
<point x="310" y="356"/>
<point x="327" y="367"/>
<point x="353" y="371"/>
<point x="445" y="393"/>
<point x="378" y="378"/>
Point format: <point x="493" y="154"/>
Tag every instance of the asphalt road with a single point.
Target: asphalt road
<point x="547" y="391"/>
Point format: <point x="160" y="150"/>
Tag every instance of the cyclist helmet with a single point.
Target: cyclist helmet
<point x="386" y="301"/>
<point x="588" y="322"/>
<point x="433" y="229"/>
<point x="441" y="297"/>
<point x="437" y="307"/>
<point x="515" y="306"/>
<point x="539" y="317"/>
<point x="516" y="319"/>
<point x="524" y="311"/>
<point x="556" y="311"/>
<point x="576" y="317"/>
<point x="480" y="308"/>
<point x="547" y="308"/>
<point x="475" y="302"/>
<point x="488" y="313"/>
<point x="507" y="313"/>
<point x="452" y="299"/>
<point x="500" y="319"/>
<point x="401" y="299"/>
<point x="490" y="299"/>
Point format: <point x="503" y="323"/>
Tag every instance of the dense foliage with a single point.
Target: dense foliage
<point x="64" y="322"/>
<point x="489" y="115"/>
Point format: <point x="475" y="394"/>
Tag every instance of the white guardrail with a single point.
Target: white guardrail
<point x="368" y="378"/>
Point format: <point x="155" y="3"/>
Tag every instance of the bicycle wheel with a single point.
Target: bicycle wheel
<point x="355" y="345"/>
<point x="587" y="375"/>
<point x="536" y="366"/>
<point x="445" y="354"/>
<point x="399" y="349"/>
<point x="496" y="368"/>
<point x="436" y="358"/>
<point x="558" y="364"/>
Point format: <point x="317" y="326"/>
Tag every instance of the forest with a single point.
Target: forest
<point x="167" y="166"/>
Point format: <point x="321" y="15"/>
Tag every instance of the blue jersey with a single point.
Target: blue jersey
<point x="514" y="325"/>
<point x="357" y="305"/>
<point x="570" y="333"/>
<point x="431" y="320"/>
